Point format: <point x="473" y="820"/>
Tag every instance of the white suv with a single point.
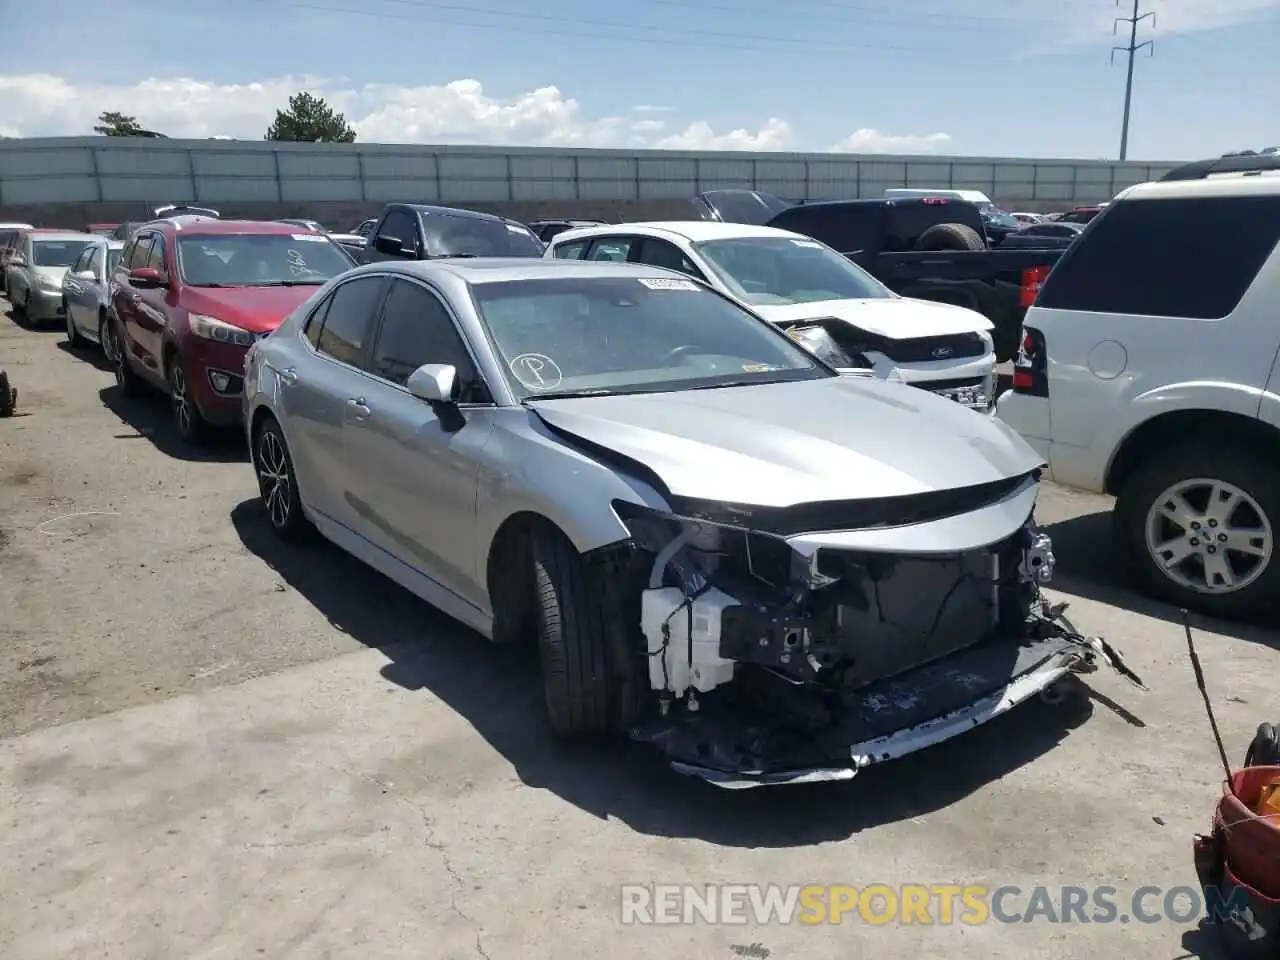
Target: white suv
<point x="1148" y="371"/>
<point x="829" y="304"/>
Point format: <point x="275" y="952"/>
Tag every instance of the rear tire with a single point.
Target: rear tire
<point x="278" y="485"/>
<point x="950" y="236"/>
<point x="74" y="340"/>
<point x="127" y="382"/>
<point x="582" y="696"/>
<point x="1186" y="470"/>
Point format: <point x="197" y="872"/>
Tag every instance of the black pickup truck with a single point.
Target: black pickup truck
<point x="930" y="248"/>
<point x="419" y="231"/>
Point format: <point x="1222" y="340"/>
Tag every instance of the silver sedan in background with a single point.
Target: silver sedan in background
<point x="719" y="544"/>
<point x="35" y="270"/>
<point x="84" y="291"/>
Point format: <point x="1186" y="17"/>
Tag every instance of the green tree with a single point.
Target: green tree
<point x="112" y="124"/>
<point x="310" y="120"/>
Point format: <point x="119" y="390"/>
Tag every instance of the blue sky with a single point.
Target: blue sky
<point x="975" y="77"/>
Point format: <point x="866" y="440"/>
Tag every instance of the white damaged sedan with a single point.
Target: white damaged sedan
<point x="720" y="545"/>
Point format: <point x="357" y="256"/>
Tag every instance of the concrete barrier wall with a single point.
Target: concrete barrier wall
<point x="71" y="181"/>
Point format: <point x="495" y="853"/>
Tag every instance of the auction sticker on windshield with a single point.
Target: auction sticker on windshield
<point x="310" y="237"/>
<point x="661" y="283"/>
<point x="807" y="243"/>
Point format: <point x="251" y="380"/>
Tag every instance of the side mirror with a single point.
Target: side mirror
<point x="390" y="245"/>
<point x="146" y="277"/>
<point x="435" y="383"/>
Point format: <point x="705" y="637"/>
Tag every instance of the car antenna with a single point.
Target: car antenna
<point x="1208" y="707"/>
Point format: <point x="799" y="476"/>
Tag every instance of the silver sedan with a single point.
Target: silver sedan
<point x="719" y="544"/>
<point x="84" y="291"/>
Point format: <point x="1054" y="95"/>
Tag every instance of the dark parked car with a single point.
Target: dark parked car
<point x="930" y="248"/>
<point x="1039" y="236"/>
<point x="415" y="231"/>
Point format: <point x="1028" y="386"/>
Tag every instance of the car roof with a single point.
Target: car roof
<point x="16" y="226"/>
<point x="433" y="210"/>
<point x="61" y="235"/>
<point x="695" y="231"/>
<point x="210" y="227"/>
<point x="480" y="270"/>
<point x="1223" y="186"/>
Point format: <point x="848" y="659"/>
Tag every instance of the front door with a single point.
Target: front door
<point x="416" y="474"/>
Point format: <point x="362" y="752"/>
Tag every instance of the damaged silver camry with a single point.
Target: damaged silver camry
<point x="722" y="547"/>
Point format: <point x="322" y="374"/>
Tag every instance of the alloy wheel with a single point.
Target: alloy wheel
<point x="1209" y="536"/>
<point x="273" y="478"/>
<point x="179" y="398"/>
<point x="115" y="355"/>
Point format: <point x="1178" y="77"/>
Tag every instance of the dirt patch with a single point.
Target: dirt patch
<point x="20" y="477"/>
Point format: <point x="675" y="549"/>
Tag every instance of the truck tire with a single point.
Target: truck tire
<point x="572" y="644"/>
<point x="1265" y="749"/>
<point x="1186" y="472"/>
<point x="950" y="236"/>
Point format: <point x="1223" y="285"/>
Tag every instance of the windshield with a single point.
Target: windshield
<point x="259" y="260"/>
<point x="609" y="335"/>
<point x="473" y="237"/>
<point x="993" y="213"/>
<point x="771" y="271"/>
<point x="57" y="253"/>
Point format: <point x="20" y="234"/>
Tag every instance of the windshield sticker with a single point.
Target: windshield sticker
<point x="297" y="263"/>
<point x="536" y="371"/>
<point x="807" y="243"/>
<point x="311" y="237"/>
<point x="756" y="367"/>
<point x="520" y="231"/>
<point x="664" y="284"/>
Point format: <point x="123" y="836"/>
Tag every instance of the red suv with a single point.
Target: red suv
<point x="188" y="298"/>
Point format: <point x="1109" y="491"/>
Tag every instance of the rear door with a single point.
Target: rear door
<point x="128" y="300"/>
<point x="318" y="393"/>
<point x="152" y="306"/>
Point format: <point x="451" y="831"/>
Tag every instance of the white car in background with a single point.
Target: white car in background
<point x="829" y="304"/>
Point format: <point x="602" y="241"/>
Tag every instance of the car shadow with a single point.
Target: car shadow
<point x="148" y="414"/>
<point x="497" y="690"/>
<point x="1088" y="566"/>
<point x="1203" y="942"/>
<point x="90" y="353"/>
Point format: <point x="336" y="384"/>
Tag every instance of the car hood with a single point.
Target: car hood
<point x="256" y="309"/>
<point x="843" y="438"/>
<point x="54" y="274"/>
<point x="895" y="317"/>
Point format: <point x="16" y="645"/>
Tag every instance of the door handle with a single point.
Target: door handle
<point x="359" y="409"/>
<point x="288" y="376"/>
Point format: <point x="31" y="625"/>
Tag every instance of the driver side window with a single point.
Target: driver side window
<point x="82" y="261"/>
<point x="417" y="329"/>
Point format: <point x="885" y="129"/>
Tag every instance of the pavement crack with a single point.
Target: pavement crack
<point x="456" y="882"/>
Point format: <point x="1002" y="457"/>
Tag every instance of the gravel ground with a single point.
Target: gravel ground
<point x="143" y="595"/>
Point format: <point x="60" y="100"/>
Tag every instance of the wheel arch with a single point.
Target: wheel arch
<point x="1179" y="427"/>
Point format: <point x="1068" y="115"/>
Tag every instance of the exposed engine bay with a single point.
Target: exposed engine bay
<point x="772" y="664"/>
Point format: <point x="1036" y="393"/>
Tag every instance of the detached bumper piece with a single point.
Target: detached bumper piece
<point x="745" y="734"/>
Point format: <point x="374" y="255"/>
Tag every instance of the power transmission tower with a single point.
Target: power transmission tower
<point x="1133" y="47"/>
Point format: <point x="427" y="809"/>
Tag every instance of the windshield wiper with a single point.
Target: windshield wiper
<point x="570" y="394"/>
<point x="287" y="283"/>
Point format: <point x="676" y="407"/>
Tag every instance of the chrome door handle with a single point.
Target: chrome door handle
<point x="359" y="409"/>
<point x="288" y="376"/>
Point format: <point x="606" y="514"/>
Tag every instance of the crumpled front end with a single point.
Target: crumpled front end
<point x="779" y="655"/>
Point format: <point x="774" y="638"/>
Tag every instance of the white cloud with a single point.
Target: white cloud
<point x="457" y="112"/>
<point x="774" y="135"/>
<point x="461" y="111"/>
<point x="867" y="140"/>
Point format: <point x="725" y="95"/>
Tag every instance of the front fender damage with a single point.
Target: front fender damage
<point x="768" y="667"/>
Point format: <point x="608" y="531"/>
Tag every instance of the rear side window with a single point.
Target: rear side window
<point x="1191" y="258"/>
<point x="571" y="251"/>
<point x="349" y="320"/>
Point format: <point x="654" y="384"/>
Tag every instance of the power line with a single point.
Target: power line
<point x="1131" y="49"/>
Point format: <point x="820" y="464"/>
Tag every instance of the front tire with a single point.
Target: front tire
<point x="186" y="415"/>
<point x="278" y="485"/>
<point x="1200" y="530"/>
<point x="582" y="696"/>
